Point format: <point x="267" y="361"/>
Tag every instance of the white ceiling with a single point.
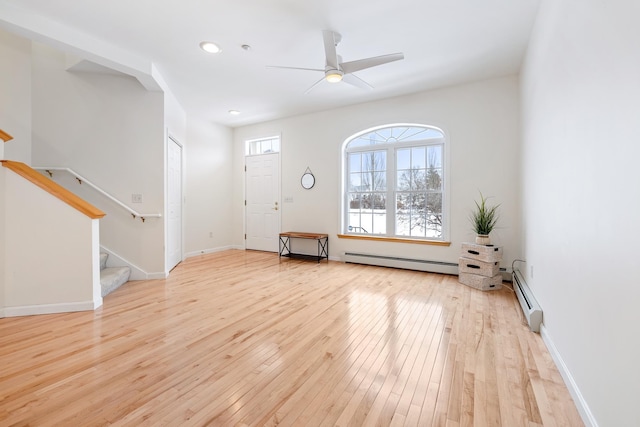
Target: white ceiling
<point x="444" y="43"/>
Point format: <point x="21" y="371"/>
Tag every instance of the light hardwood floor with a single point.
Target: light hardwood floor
<point x="239" y="338"/>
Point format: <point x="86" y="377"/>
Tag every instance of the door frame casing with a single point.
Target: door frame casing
<point x="171" y="138"/>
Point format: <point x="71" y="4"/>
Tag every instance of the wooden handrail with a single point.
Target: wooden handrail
<point x="5" y="136"/>
<point x="53" y="188"/>
<point x="135" y="214"/>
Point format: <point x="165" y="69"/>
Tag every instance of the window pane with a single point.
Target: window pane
<point x="418" y="179"/>
<point x="399" y="132"/>
<point x="379" y="201"/>
<point x="384" y="134"/>
<point x="403" y="180"/>
<point x="434" y="215"/>
<point x="418" y="207"/>
<point x="379" y="213"/>
<point x="358" y="143"/>
<point x="403" y="158"/>
<point x="367" y="181"/>
<point x="434" y="156"/>
<point x="367" y="161"/>
<point x="353" y="220"/>
<point x="379" y="181"/>
<point x="403" y="208"/>
<point x="434" y="179"/>
<point x="418" y="157"/>
<point x="434" y="203"/>
<point x="380" y="160"/>
<point x="418" y="134"/>
<point x="253" y="147"/>
<point x="355" y="162"/>
<point x="354" y="202"/>
<point x="415" y="134"/>
<point x="366" y="222"/>
<point x="355" y="182"/>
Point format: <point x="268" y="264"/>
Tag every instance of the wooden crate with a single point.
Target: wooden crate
<point x="473" y="266"/>
<point x="481" y="252"/>
<point x="482" y="283"/>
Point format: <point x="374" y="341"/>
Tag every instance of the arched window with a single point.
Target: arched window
<point x="394" y="182"/>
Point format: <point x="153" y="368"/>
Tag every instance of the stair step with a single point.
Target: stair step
<point x="103" y="260"/>
<point x="111" y="278"/>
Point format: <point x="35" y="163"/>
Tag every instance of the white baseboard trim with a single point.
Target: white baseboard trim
<point x="2" y="313"/>
<point x="581" y="404"/>
<point x="30" y="310"/>
<point x="209" y="251"/>
<point x="238" y="248"/>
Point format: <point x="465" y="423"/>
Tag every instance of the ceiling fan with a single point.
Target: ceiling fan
<point x="335" y="70"/>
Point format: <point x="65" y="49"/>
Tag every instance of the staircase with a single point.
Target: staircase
<point x="111" y="278"/>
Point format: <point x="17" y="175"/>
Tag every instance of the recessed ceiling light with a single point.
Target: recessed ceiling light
<point x="234" y="112"/>
<point x="246" y="47"/>
<point x="210" y="47"/>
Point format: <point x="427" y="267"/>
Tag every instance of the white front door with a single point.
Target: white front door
<point x="263" y="202"/>
<point x="174" y="203"/>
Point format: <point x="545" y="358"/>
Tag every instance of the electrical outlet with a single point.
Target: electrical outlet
<point x="531" y="272"/>
<point x="211" y="234"/>
<point x="136" y="198"/>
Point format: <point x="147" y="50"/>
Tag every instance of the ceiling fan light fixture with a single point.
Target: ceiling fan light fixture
<point x="210" y="47"/>
<point x="334" y="77"/>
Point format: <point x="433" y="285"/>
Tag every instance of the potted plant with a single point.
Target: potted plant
<point x="484" y="219"/>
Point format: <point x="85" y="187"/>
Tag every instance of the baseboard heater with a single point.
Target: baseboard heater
<point x="530" y="308"/>
<point x="405" y="263"/>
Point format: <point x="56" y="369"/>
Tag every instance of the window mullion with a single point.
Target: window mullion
<point x="391" y="191"/>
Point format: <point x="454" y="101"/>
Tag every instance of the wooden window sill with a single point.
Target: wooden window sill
<point x="394" y="240"/>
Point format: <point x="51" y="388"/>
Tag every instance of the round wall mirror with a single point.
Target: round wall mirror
<point x="308" y="180"/>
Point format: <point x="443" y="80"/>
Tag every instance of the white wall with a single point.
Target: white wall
<point x="481" y="121"/>
<point x="15" y="119"/>
<point x="581" y="104"/>
<point x="111" y="130"/>
<point x="208" y="188"/>
<point x="175" y="118"/>
<point x="39" y="276"/>
<point x="15" y="95"/>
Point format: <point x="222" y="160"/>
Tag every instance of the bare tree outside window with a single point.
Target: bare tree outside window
<point x="420" y="210"/>
<point x="367" y="201"/>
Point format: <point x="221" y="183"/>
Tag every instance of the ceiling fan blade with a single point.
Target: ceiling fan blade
<point x="313" y="85"/>
<point x="361" y="64"/>
<point x="295" y="68"/>
<point x="354" y="80"/>
<point x="330" y="41"/>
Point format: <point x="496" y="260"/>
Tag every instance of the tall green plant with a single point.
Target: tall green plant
<point x="485" y="217"/>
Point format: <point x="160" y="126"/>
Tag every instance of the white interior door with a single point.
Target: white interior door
<point x="263" y="202"/>
<point x="174" y="203"/>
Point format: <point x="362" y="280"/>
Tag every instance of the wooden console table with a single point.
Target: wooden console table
<point x="322" y="239"/>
